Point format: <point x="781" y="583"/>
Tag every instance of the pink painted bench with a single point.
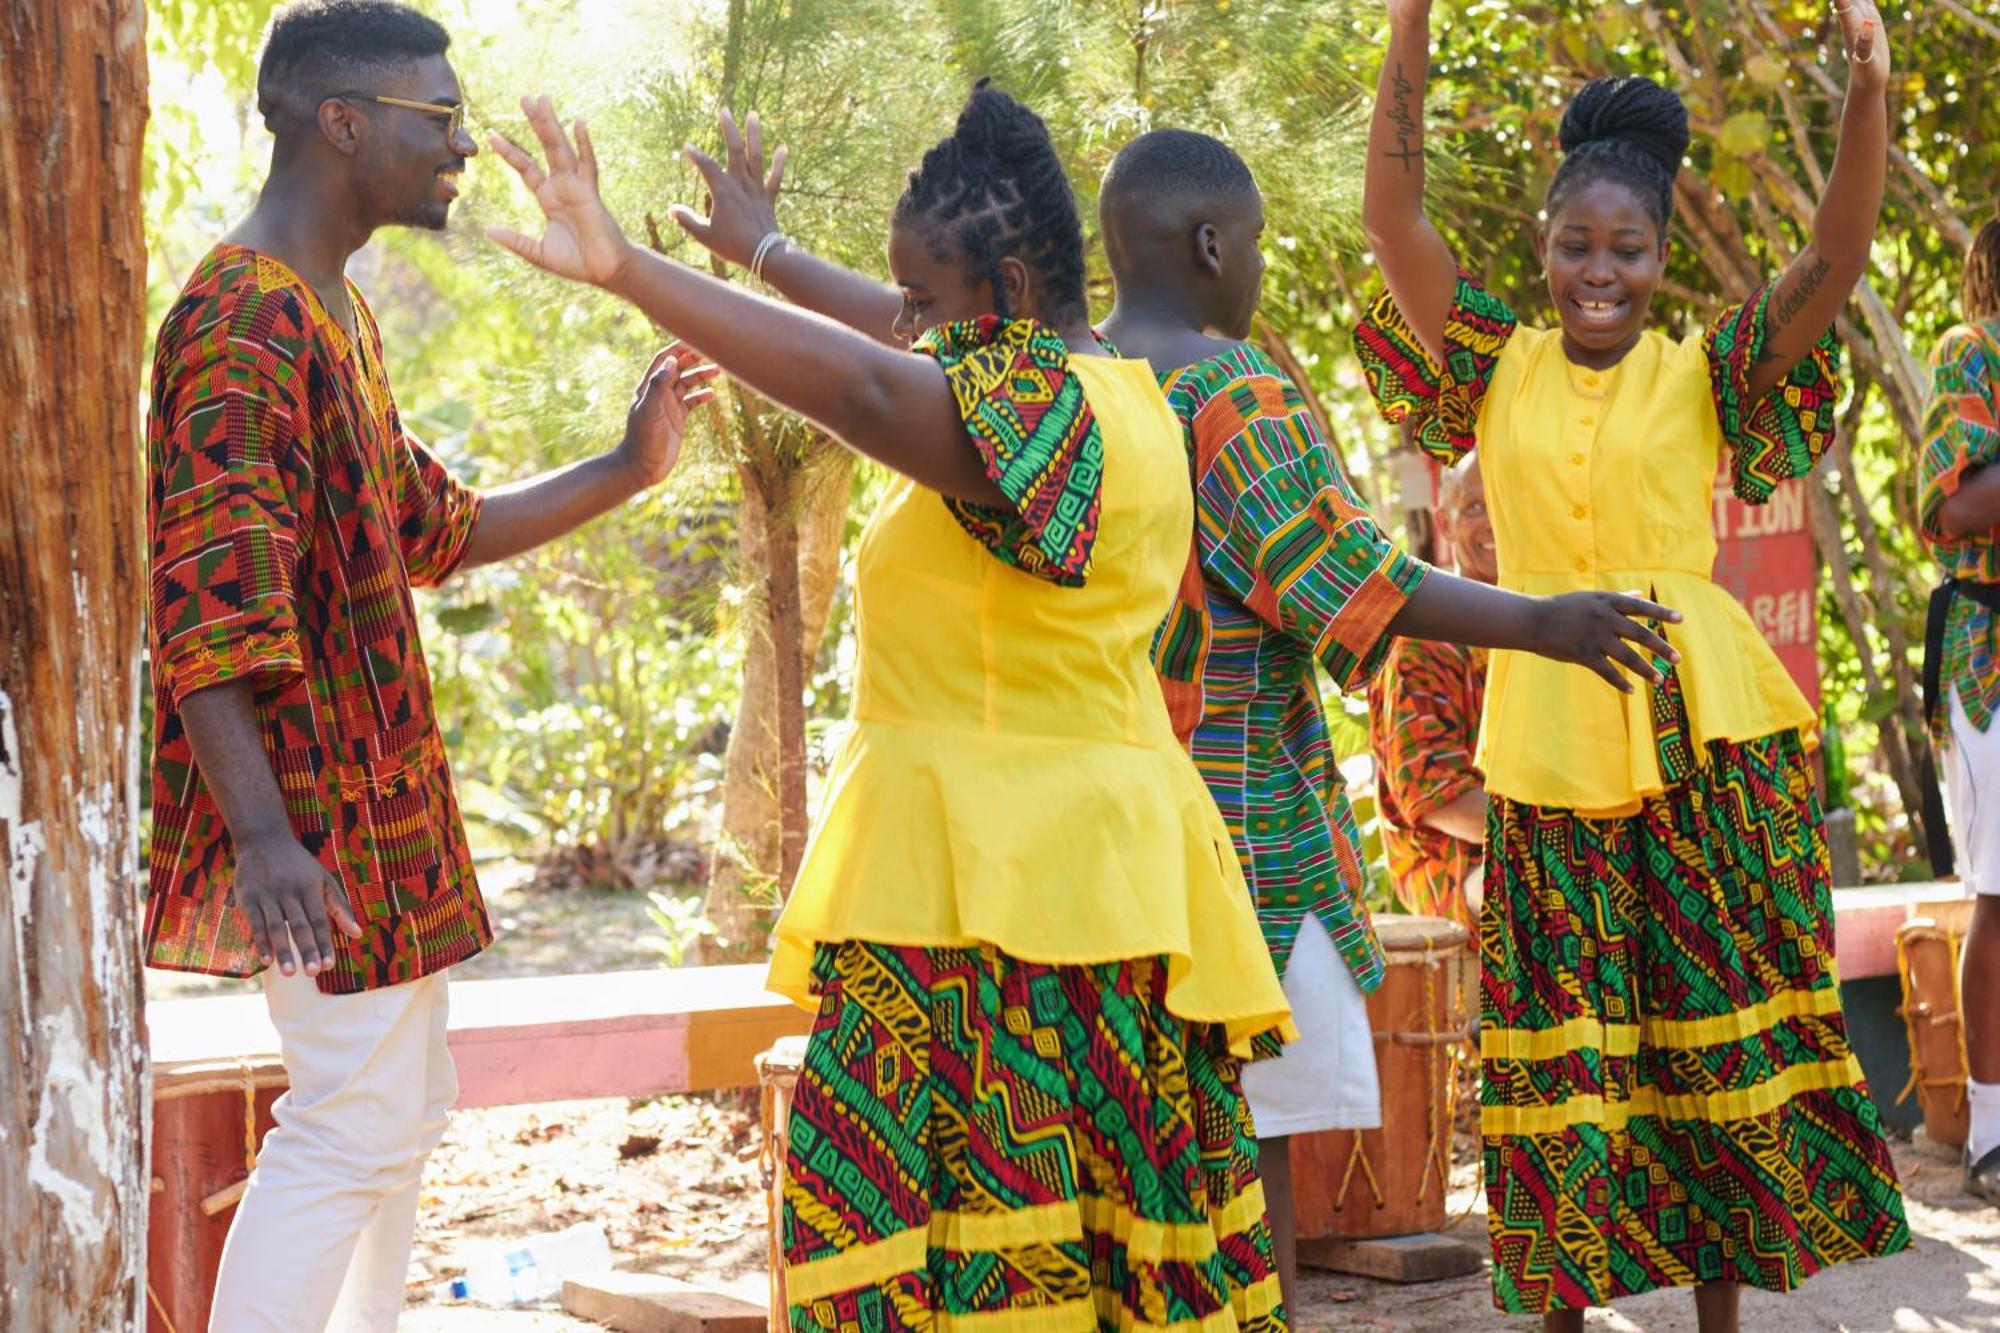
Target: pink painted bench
<point x="540" y="1039"/>
<point x="1865" y="922"/>
<point x="694" y="1029"/>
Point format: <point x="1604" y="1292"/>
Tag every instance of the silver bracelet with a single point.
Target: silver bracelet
<point x="764" y="248"/>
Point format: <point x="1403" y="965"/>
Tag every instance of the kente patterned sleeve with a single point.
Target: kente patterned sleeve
<point x="1036" y="435"/>
<point x="228" y="477"/>
<point x="1961" y="424"/>
<point x="437" y="515"/>
<point x="1442" y="401"/>
<point x="1288" y="536"/>
<point x="1783" y="434"/>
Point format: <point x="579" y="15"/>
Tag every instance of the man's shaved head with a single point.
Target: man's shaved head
<point x="1175" y="171"/>
<point x="1180" y="210"/>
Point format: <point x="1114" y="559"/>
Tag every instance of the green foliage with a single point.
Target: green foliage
<point x="680" y="924"/>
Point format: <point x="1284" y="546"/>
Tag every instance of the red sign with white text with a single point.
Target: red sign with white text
<point x="1764" y="556"/>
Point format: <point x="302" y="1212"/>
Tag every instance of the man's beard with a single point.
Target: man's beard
<point x="431" y="215"/>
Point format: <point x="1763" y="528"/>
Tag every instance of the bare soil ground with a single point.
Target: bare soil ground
<point x="675" y="1182"/>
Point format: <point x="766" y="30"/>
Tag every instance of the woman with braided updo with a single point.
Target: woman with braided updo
<point x="1669" y="1095"/>
<point x="1034" y="961"/>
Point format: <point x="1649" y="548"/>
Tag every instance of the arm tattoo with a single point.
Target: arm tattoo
<point x="1409" y="148"/>
<point x="1786" y="307"/>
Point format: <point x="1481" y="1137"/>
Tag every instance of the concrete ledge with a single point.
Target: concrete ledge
<point x="643" y="1303"/>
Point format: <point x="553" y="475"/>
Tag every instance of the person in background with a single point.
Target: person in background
<point x="1960" y="488"/>
<point x="1423" y="727"/>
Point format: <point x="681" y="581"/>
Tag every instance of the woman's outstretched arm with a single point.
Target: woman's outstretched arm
<point x="893" y="406"/>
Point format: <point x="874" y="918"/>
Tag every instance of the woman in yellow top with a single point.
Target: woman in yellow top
<point x="1669" y="1096"/>
<point x="1035" y="965"/>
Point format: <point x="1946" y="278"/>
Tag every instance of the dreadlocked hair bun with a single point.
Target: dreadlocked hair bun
<point x="1629" y="130"/>
<point x="995" y="190"/>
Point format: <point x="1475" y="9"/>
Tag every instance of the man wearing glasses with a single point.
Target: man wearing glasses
<point x="304" y="823"/>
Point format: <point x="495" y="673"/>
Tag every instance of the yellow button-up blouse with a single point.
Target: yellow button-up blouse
<point x="1605" y="480"/>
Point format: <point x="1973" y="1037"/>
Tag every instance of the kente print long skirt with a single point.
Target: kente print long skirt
<point x="981" y="1142"/>
<point x="1669" y="1097"/>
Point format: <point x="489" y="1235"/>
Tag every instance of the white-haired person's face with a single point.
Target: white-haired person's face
<point x="1464" y="523"/>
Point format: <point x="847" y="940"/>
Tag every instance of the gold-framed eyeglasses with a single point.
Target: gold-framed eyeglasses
<point x="455" y="113"/>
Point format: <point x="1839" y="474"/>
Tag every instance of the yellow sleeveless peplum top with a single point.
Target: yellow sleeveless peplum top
<point x="1605" y="480"/>
<point x="1011" y="777"/>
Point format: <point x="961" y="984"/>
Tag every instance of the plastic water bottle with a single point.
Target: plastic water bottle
<point x="528" y="1269"/>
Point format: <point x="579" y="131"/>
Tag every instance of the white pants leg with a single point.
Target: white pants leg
<point x="322" y="1237"/>
<point x="1972" y="793"/>
<point x="1326" y="1079"/>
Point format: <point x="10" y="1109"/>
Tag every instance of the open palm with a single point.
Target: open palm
<point x="580" y="239"/>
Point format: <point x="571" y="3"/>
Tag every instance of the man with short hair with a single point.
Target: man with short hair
<point x="304" y="822"/>
<point x="1423" y="714"/>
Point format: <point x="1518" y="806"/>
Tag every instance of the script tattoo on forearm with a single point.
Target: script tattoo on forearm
<point x="1786" y="306"/>
<point x="1408" y="150"/>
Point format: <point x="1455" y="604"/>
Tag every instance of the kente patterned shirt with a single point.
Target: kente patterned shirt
<point x="1962" y="433"/>
<point x="1423" y="725"/>
<point x="288" y="516"/>
<point x="1288" y="568"/>
<point x="1605" y="480"/>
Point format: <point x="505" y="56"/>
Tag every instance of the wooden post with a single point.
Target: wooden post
<point x="73" y="1097"/>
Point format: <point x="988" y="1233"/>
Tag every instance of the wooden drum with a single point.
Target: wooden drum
<point x="777" y="1075"/>
<point x="1927" y="960"/>
<point x="208" y="1120"/>
<point x="1392" y="1181"/>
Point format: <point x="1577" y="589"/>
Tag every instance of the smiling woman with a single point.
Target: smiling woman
<point x="1656" y="867"/>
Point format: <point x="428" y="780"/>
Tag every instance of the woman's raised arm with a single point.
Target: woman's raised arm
<point x="1814" y="286"/>
<point x="1416" y="263"/>
<point x="891" y="405"/>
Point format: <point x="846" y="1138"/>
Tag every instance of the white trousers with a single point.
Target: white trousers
<point x="1972" y="793"/>
<point x="321" y="1239"/>
<point x="1326" y="1079"/>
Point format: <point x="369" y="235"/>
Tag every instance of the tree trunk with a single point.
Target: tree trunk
<point x="764" y="818"/>
<point x="73" y="1100"/>
<point x="785" y="634"/>
<point x="822" y="538"/>
<point x="746" y="853"/>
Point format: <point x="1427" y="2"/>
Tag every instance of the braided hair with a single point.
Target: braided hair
<point x="995" y="189"/>
<point x="1979" y="289"/>
<point x="1629" y="130"/>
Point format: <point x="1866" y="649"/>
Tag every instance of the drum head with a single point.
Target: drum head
<point x="1418" y="934"/>
<point x="784" y="1059"/>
